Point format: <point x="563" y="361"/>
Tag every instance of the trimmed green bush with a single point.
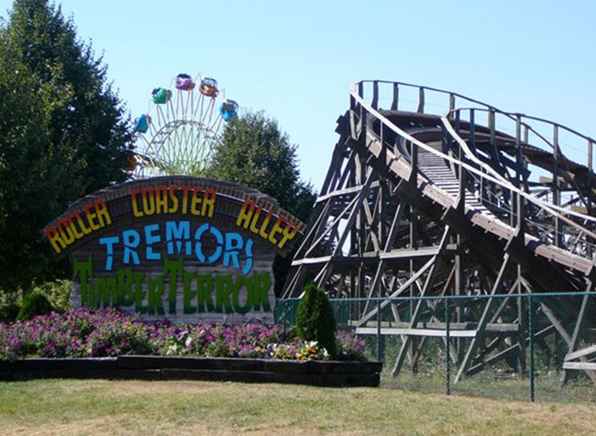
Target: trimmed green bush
<point x="34" y="303"/>
<point x="9" y="312"/>
<point x="315" y="320"/>
<point x="57" y="292"/>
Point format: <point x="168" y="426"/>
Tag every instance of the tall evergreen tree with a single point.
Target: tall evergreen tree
<point x="63" y="133"/>
<point x="256" y="153"/>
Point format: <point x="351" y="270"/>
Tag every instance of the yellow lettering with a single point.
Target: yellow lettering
<point x="255" y="219"/>
<point x="289" y="233"/>
<point x="148" y="203"/>
<point x="245" y="215"/>
<point x="90" y="217"/>
<point x="161" y="201"/>
<point x="101" y="209"/>
<point x="263" y="232"/>
<point x="173" y="200"/>
<point x="196" y="200"/>
<point x="86" y="230"/>
<point x="209" y="202"/>
<point x="65" y="233"/>
<point x="56" y="241"/>
<point x="77" y="234"/>
<point x="274" y="231"/>
<point x="135" y="207"/>
<point x="185" y="200"/>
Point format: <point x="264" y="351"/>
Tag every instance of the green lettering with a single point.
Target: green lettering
<point x="204" y="290"/>
<point x="224" y="285"/>
<point x="241" y="282"/>
<point x="173" y="268"/>
<point x="189" y="293"/>
<point x="258" y="291"/>
<point x="126" y="294"/>
<point x="156" y="290"/>
<point x="107" y="291"/>
<point x="83" y="269"/>
<point x="139" y="278"/>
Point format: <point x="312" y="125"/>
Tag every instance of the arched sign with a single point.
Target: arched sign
<point x="182" y="248"/>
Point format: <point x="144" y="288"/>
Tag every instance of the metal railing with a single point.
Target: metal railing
<point x="526" y="332"/>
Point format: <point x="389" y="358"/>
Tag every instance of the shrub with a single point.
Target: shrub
<point x="34" y="304"/>
<point x="9" y="312"/>
<point x="57" y="292"/>
<point x="10" y="304"/>
<point x="315" y="320"/>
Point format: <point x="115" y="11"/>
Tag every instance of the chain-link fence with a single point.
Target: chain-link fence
<point x="514" y="346"/>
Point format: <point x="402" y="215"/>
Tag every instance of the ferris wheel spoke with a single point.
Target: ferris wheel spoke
<point x="211" y="110"/>
<point x="172" y="114"/>
<point x="192" y="104"/>
<point x="183" y="127"/>
<point x="160" y="116"/>
<point x="183" y="106"/>
<point x="216" y="123"/>
<point x="199" y="109"/>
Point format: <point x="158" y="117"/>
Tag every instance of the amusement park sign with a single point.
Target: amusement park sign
<point x="182" y="248"/>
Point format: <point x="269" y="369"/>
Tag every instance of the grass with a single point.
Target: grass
<point x="498" y="386"/>
<point x="133" y="407"/>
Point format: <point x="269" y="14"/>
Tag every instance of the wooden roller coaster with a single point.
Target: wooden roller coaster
<point x="462" y="200"/>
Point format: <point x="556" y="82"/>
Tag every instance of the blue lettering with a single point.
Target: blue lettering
<point x="180" y="233"/>
<point x="199" y="246"/>
<point x="109" y="242"/>
<point x="150" y="239"/>
<point x="131" y="239"/>
<point x="247" y="268"/>
<point x="234" y="244"/>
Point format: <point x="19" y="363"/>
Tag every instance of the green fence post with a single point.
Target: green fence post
<point x="447" y="362"/>
<point x="379" y="345"/>
<point x="531" y="333"/>
<point x="285" y="316"/>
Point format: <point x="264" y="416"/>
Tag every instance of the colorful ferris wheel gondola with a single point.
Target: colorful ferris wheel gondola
<point x="209" y="88"/>
<point x="184" y="82"/>
<point x="179" y="131"/>
<point x="228" y="110"/>
<point x="142" y="124"/>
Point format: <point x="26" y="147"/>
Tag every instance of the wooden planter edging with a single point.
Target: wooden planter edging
<point x="318" y="373"/>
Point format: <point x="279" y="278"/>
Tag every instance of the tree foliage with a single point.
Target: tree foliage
<point x="256" y="153"/>
<point x="63" y="133"/>
<point x="315" y="320"/>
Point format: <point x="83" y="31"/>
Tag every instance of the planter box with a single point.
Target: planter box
<point x="318" y="373"/>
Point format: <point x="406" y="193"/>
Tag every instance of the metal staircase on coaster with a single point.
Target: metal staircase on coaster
<point x="469" y="200"/>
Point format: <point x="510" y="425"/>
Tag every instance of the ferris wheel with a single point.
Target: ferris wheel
<point x="178" y="133"/>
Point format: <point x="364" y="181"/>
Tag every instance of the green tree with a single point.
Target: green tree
<point x="256" y="153"/>
<point x="63" y="133"/>
<point x="315" y="320"/>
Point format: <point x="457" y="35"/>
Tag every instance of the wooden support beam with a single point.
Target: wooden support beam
<point x="414" y="332"/>
<point x="483" y="320"/>
<point x="584" y="366"/>
<point x="400" y="290"/>
<point x="504" y="353"/>
<point x="576" y="334"/>
<point x="580" y="353"/>
<point x="416" y="314"/>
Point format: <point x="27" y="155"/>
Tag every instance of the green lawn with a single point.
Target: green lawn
<point x="190" y="407"/>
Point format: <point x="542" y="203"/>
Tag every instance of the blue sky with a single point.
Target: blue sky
<point x="296" y="60"/>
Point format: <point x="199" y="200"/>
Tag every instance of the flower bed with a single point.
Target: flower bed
<point x="108" y="343"/>
<point x="107" y="332"/>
